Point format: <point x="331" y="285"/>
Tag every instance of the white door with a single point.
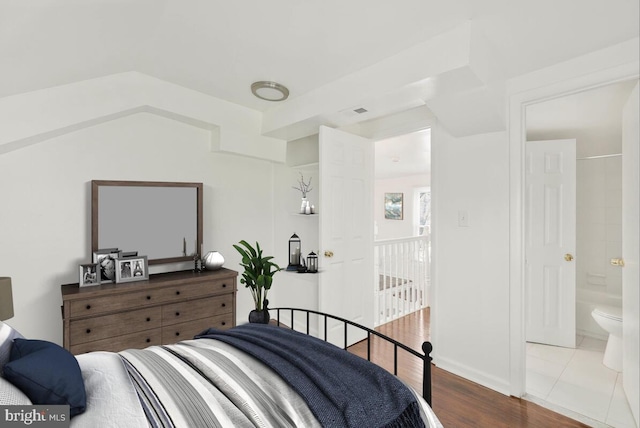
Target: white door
<point x="631" y="253"/>
<point x="346" y="230"/>
<point x="550" y="239"/>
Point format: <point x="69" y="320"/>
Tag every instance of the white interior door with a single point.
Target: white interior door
<point x="550" y="239"/>
<point x="346" y="230"/>
<point x="631" y="253"/>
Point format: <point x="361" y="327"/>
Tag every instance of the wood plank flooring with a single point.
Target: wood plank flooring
<point x="456" y="401"/>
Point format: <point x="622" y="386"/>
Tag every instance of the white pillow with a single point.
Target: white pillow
<point x="10" y="395"/>
<point x="7" y="334"/>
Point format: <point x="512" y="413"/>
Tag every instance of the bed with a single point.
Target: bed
<point x="250" y="375"/>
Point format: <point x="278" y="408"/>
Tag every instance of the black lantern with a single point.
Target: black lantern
<point x="294" y="252"/>
<point x="312" y="262"/>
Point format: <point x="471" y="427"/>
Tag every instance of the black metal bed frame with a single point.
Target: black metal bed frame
<point x="426" y="346"/>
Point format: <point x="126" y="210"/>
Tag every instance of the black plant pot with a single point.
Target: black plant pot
<point x="259" y="317"/>
<point x="262" y="316"/>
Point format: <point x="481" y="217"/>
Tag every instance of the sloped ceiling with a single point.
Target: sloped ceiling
<point x="315" y="48"/>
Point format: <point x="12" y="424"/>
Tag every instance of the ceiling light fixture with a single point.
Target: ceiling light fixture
<point x="270" y="91"/>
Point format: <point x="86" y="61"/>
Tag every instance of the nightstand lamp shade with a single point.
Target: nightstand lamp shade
<point x="6" y="298"/>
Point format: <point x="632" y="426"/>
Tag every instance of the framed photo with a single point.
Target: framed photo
<point x="89" y="274"/>
<point x="106" y="259"/>
<point x="393" y="206"/>
<point x="132" y="269"/>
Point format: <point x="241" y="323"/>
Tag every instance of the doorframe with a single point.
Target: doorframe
<point x="388" y="127"/>
<point x="562" y="81"/>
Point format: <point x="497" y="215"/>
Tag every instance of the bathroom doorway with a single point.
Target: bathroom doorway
<point x="556" y="376"/>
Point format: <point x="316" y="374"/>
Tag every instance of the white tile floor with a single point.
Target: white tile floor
<point x="575" y="380"/>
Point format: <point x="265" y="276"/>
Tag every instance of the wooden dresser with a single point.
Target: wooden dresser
<point x="164" y="309"/>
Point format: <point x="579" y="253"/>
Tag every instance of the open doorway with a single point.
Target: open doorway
<point x="575" y="379"/>
<point x="402" y="227"/>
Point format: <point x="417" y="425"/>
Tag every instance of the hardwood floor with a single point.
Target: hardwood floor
<point x="456" y="401"/>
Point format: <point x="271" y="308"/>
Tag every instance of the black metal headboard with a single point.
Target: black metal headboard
<point x="426" y="346"/>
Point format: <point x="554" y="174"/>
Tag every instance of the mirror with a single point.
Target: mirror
<point x="160" y="220"/>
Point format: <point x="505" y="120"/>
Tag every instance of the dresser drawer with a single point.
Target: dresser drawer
<point x="186" y="330"/>
<point x="137" y="340"/>
<point x="190" y="291"/>
<point x="105" y="326"/>
<point x="174" y="313"/>
<point x="100" y="305"/>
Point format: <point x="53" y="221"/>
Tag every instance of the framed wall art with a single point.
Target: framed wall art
<point x="393" y="206"/>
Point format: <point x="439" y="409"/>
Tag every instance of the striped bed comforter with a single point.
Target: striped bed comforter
<point x="193" y="383"/>
<point x="206" y="383"/>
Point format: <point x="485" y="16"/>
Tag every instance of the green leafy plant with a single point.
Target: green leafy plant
<point x="258" y="271"/>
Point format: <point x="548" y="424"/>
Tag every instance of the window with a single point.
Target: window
<point x="423" y="217"/>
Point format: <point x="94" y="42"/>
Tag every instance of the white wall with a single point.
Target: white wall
<point x="471" y="307"/>
<point x="45" y="194"/>
<point x="388" y="229"/>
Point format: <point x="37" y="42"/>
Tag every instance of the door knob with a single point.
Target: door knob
<point x="568" y="257"/>
<point x="617" y="262"/>
<point x="328" y="253"/>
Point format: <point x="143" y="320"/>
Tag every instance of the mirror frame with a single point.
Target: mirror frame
<point x="95" y="189"/>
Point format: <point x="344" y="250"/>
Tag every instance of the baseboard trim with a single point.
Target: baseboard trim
<point x="492" y="382"/>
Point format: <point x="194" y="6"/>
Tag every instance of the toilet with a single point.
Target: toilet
<point x="610" y="319"/>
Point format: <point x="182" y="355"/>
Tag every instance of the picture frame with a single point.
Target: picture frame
<point x="131" y="269"/>
<point x="393" y="206"/>
<point x="89" y="274"/>
<point x="106" y="258"/>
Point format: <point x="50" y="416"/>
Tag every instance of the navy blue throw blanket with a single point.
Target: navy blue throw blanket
<point x="341" y="389"/>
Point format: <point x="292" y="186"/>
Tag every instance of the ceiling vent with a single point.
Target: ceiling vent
<point x="360" y="110"/>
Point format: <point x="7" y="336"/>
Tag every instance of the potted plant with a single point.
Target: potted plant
<point x="258" y="277"/>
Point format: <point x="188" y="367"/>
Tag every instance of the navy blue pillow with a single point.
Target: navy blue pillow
<point x="47" y="374"/>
